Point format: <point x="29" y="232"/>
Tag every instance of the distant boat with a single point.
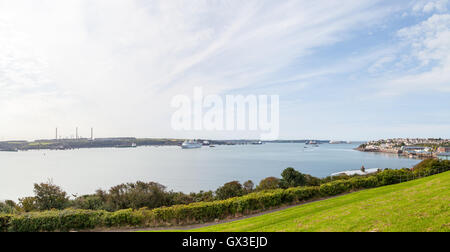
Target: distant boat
<point x="10" y="150"/>
<point x="337" y="142"/>
<point x="191" y="144"/>
<point x="132" y="145"/>
<point x="257" y="142"/>
<point x="312" y="143"/>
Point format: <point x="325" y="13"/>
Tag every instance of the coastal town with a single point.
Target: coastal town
<point x="410" y="147"/>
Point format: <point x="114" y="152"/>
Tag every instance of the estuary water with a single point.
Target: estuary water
<point x="83" y="171"/>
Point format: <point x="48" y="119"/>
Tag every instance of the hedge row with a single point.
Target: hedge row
<point x="201" y="212"/>
<point x="73" y="219"/>
<point x="5" y="221"/>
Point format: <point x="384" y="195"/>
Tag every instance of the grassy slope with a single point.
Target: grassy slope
<point x="419" y="205"/>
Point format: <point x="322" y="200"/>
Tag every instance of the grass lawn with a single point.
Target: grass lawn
<point x="419" y="205"/>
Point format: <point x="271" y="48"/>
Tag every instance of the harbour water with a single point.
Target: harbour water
<point x="83" y="171"/>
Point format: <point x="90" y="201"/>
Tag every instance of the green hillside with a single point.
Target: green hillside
<point x="418" y="205"/>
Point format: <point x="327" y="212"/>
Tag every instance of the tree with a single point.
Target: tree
<point x="28" y="204"/>
<point x="7" y="207"/>
<point x="292" y="178"/>
<point x="49" y="196"/>
<point x="269" y="183"/>
<point x="202" y="196"/>
<point x="90" y="202"/>
<point x="229" y="190"/>
<point x="248" y="186"/>
<point x="11" y="203"/>
<point x="312" y="181"/>
<point x="135" y="195"/>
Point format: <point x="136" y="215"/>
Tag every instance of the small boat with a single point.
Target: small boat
<point x="312" y="143"/>
<point x="10" y="150"/>
<point x="132" y="145"/>
<point x="191" y="144"/>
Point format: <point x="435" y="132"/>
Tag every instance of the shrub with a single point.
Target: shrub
<point x="248" y="186"/>
<point x="28" y="204"/>
<point x="135" y="196"/>
<point x="269" y="183"/>
<point x="88" y="202"/>
<point x="57" y="220"/>
<point x="312" y="181"/>
<point x="230" y="189"/>
<point x="364" y="182"/>
<point x="4" y="222"/>
<point x="126" y="217"/>
<point x="49" y="196"/>
<point x="335" y="187"/>
<point x="202" y="196"/>
<point x="6" y="208"/>
<point x="292" y="178"/>
<point x="432" y="166"/>
<point x="72" y="219"/>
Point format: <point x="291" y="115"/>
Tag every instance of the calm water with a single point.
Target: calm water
<point x="85" y="170"/>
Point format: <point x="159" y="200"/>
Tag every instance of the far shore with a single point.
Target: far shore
<point x="400" y="154"/>
<point x="121" y="142"/>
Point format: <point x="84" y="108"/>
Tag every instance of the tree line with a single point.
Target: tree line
<point x="150" y="195"/>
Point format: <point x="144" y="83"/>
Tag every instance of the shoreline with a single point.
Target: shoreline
<point x="399" y="153"/>
<point x="121" y="142"/>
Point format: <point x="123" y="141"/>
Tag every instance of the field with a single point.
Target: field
<point x="418" y="205"/>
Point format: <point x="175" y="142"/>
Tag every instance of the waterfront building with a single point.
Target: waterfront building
<point x="443" y="149"/>
<point x="413" y="148"/>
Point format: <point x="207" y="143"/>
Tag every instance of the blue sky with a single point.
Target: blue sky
<point x="351" y="70"/>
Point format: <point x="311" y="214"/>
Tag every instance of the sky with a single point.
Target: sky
<point x="343" y="70"/>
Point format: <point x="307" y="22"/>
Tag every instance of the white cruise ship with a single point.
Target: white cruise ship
<point x="191" y="144"/>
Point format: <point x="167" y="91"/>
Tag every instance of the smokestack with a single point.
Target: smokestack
<point x="92" y="133"/>
<point x="56" y="135"/>
<point x="76" y="133"/>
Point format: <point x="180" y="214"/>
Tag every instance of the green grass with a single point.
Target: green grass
<point x="419" y="205"/>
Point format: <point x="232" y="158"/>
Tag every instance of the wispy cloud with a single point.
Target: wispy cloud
<point x="115" y="65"/>
<point x="428" y="6"/>
<point x="429" y="45"/>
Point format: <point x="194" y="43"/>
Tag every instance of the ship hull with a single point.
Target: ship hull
<point x="191" y="146"/>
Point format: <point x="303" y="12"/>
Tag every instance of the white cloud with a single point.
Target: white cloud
<point x="430" y="40"/>
<point x="380" y="64"/>
<point x="115" y="64"/>
<point x="429" y="45"/>
<point x="429" y="6"/>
